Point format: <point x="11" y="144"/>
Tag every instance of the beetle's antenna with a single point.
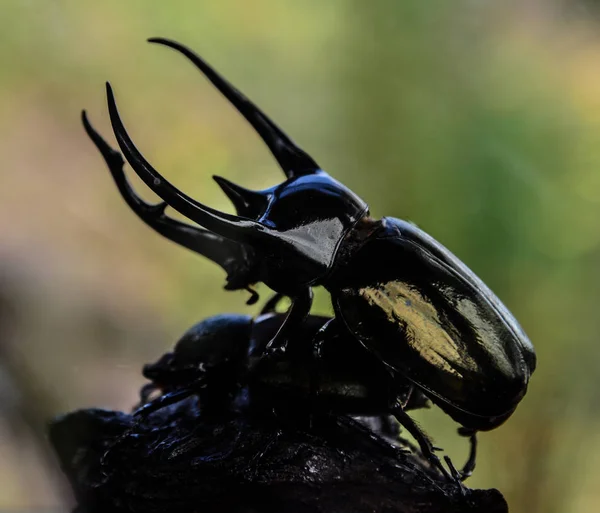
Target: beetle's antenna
<point x="293" y="160"/>
<point x="230" y="255"/>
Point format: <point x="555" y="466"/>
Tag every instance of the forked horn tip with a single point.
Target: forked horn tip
<point x="84" y="119"/>
<point x="86" y="123"/>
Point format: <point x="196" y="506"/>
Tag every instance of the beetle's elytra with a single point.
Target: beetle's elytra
<point x="397" y="291"/>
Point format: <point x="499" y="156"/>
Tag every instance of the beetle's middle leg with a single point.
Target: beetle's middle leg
<point x="315" y="355"/>
<point x="296" y="315"/>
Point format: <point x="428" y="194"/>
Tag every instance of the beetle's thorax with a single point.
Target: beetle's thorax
<point x="354" y="239"/>
<point x="310" y="215"/>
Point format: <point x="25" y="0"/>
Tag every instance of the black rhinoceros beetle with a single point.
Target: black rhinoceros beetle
<point x="395" y="289"/>
<point x="213" y="361"/>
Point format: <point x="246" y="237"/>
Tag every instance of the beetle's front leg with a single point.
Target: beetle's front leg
<point x="145" y="392"/>
<point x="163" y="401"/>
<point x="296" y="315"/>
<point x="143" y="411"/>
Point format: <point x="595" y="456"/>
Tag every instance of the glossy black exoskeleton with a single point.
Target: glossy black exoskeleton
<point x="213" y="361"/>
<point x="395" y="289"/>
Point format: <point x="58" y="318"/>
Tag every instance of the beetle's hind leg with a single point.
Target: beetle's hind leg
<point x="469" y="465"/>
<point x="427" y="448"/>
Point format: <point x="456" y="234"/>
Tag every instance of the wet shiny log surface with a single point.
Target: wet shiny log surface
<point x="178" y="461"/>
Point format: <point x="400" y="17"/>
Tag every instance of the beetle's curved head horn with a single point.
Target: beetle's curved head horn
<point x="236" y="228"/>
<point x="247" y="203"/>
<point x="293" y="160"/>
<point x="234" y="257"/>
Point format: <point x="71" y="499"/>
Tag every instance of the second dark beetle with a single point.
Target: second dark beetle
<point x="399" y="292"/>
<point x="213" y="361"/>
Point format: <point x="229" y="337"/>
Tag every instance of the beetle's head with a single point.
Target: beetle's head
<point x="286" y="236"/>
<point x="214" y="342"/>
<point x="427" y="316"/>
<point x="214" y="349"/>
<point x="157" y="371"/>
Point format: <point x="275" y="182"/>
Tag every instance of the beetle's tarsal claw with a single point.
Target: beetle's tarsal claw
<point x="247" y="203"/>
<point x="293" y="160"/>
<point x="427" y="449"/>
<point x="456" y="475"/>
<point x="254" y="297"/>
<point x="452" y="468"/>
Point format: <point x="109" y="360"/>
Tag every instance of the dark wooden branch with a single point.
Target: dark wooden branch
<point x="178" y="461"/>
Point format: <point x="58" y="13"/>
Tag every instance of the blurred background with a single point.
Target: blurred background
<point x="478" y="120"/>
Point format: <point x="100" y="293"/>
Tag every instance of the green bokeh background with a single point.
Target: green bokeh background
<point x="479" y="121"/>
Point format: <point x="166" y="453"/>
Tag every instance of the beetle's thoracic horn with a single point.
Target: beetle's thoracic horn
<point x="293" y="160"/>
<point x="230" y="226"/>
<point x="224" y="252"/>
<point x="247" y="203"/>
